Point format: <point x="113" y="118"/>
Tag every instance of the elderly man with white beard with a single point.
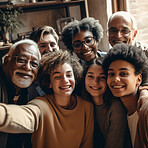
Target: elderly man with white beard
<point x="18" y="72"/>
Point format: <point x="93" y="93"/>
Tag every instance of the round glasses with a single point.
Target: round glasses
<point x="77" y="45"/>
<point x="22" y="61"/>
<point x="123" y="32"/>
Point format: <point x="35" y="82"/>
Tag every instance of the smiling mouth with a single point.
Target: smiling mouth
<point x="118" y="42"/>
<point x="87" y="53"/>
<point x="95" y="88"/>
<point x="65" y="87"/>
<point x="117" y="86"/>
<point x="24" y="75"/>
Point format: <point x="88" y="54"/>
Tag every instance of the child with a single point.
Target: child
<point x="59" y="119"/>
<point x="127" y="69"/>
<point x="111" y="116"/>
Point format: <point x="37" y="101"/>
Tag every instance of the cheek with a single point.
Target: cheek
<point x="103" y="84"/>
<point x="35" y="72"/>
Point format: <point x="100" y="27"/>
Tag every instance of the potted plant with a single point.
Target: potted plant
<point x="9" y="20"/>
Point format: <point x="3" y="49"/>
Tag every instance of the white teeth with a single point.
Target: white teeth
<point x="87" y="53"/>
<point x="66" y="87"/>
<point x="117" y="86"/>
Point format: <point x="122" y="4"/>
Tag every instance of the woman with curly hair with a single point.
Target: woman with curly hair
<point x="82" y="37"/>
<point x="59" y="119"/>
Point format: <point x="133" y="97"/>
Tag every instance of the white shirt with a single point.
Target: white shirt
<point x="132" y="123"/>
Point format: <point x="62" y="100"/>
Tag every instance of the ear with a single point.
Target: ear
<point x="6" y="59"/>
<point x="134" y="34"/>
<point x="139" y="80"/>
<point x="50" y="86"/>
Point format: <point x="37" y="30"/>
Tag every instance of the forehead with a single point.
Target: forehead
<point x="62" y="68"/>
<point x="48" y="38"/>
<point x="27" y="50"/>
<point x="123" y="64"/>
<point x="97" y="69"/>
<point x="81" y="35"/>
<point x="120" y="21"/>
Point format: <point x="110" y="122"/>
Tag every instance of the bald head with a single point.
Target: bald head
<point x="123" y="15"/>
<point x="122" y="28"/>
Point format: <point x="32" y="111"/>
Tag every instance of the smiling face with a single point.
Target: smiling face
<point x="47" y="44"/>
<point x="62" y="81"/>
<point x="95" y="81"/>
<point x="122" y="80"/>
<point x="22" y="76"/>
<point x="86" y="53"/>
<point x="119" y="23"/>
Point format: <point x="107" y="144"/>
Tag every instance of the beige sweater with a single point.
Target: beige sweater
<point x="53" y="126"/>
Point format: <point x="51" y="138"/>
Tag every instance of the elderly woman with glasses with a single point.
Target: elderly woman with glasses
<point x="82" y="37"/>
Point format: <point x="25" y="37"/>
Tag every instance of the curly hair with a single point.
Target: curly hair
<point x="86" y="24"/>
<point x="130" y="54"/>
<point x="41" y="31"/>
<point x="51" y="61"/>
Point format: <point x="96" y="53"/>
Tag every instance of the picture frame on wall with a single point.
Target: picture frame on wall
<point x="61" y="23"/>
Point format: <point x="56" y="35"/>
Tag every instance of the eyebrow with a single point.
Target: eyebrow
<point x="57" y="72"/>
<point x="93" y="73"/>
<point x="119" y="69"/>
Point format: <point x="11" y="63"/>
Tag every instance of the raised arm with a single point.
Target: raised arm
<point x="19" y="119"/>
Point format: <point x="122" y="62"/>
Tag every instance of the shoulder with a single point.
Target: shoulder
<point x="41" y="101"/>
<point x="117" y="107"/>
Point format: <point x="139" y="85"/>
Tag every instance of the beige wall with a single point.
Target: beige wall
<point x="139" y="9"/>
<point x="98" y="10"/>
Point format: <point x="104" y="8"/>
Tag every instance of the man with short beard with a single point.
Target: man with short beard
<point x="18" y="72"/>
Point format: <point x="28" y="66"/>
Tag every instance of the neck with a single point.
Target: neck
<point x="130" y="102"/>
<point x="98" y="100"/>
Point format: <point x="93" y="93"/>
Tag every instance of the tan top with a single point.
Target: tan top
<point x="54" y="126"/>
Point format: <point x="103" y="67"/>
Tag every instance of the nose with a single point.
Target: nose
<point x="119" y="35"/>
<point x="85" y="47"/>
<point x="65" y="79"/>
<point x="117" y="79"/>
<point x="49" y="48"/>
<point x="28" y="66"/>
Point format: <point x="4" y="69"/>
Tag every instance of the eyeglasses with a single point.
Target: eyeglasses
<point x="89" y="41"/>
<point x="123" y="32"/>
<point x="22" y="61"/>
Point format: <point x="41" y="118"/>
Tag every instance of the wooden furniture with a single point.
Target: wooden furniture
<point x="3" y="51"/>
<point x="39" y="6"/>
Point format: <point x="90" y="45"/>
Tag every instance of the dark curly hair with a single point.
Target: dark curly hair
<point x="49" y="63"/>
<point x="86" y="24"/>
<point x="130" y="54"/>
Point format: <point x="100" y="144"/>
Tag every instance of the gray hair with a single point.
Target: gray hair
<point x="25" y="41"/>
<point x="126" y="15"/>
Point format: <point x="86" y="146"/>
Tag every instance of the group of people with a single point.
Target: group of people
<point x="81" y="97"/>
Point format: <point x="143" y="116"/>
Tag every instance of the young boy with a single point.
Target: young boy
<point x="127" y="69"/>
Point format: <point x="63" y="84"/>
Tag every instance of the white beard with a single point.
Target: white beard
<point x="22" y="82"/>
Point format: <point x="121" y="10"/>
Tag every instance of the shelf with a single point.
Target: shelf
<point x="40" y="6"/>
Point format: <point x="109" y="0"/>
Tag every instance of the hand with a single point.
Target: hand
<point x="143" y="98"/>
